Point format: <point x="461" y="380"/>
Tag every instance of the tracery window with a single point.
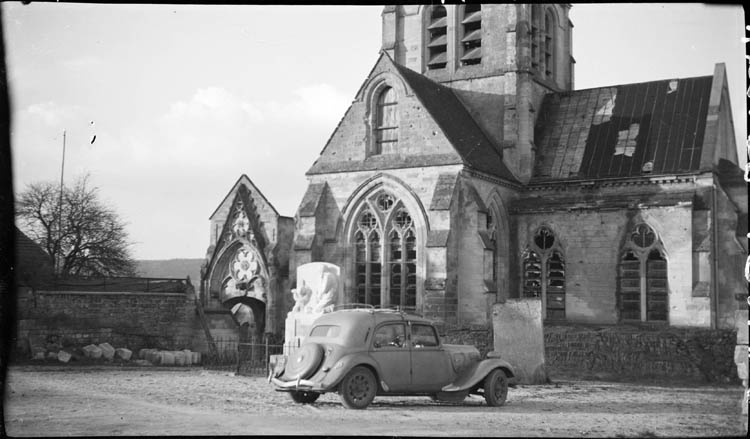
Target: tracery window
<point x="386" y="121"/>
<point x="437" y="41"/>
<point x="544" y="273"/>
<point x="471" y="40"/>
<point x="643" y="294"/>
<point x="385" y="269"/>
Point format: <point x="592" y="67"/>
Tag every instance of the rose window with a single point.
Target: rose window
<point x="245" y="266"/>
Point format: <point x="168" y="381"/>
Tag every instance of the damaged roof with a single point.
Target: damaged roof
<point x="463" y="132"/>
<point x="630" y="130"/>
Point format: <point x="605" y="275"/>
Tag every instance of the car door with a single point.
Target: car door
<point x="391" y="352"/>
<point x="430" y="366"/>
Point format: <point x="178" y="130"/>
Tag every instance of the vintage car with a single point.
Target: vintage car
<point x="361" y="353"/>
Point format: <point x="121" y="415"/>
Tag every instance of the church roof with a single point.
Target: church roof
<point x="446" y="109"/>
<point x="649" y="128"/>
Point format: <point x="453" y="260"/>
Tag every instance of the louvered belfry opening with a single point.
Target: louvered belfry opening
<point x="437" y="47"/>
<point x="472" y="35"/>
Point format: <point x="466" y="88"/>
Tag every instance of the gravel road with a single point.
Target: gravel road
<point x="65" y="401"/>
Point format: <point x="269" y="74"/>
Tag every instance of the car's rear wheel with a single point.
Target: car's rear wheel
<point x="304" y="397"/>
<point x="496" y="388"/>
<point x="358" y="388"/>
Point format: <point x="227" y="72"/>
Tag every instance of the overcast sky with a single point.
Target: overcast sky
<point x="186" y="98"/>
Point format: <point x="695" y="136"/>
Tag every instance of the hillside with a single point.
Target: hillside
<point x="171" y="268"/>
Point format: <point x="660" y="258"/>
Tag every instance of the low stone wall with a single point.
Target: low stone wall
<point x="633" y="351"/>
<point x="479" y="336"/>
<point x="133" y="319"/>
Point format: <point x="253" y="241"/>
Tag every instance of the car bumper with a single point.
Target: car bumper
<point x="298" y="384"/>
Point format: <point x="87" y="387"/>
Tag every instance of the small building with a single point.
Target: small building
<point x="245" y="279"/>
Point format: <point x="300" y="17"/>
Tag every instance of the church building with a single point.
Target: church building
<point x="468" y="171"/>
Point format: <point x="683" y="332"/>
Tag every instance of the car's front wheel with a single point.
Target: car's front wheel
<point x="496" y="388"/>
<point x="358" y="388"/>
<point x="301" y="397"/>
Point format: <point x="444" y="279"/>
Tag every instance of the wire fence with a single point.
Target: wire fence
<point x="242" y="358"/>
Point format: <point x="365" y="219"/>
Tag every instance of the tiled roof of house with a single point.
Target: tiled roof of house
<point x="31" y="260"/>
<point x="648" y="128"/>
<point x="471" y="143"/>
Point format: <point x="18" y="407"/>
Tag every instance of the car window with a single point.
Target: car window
<point x="390" y="335"/>
<point x="423" y="336"/>
<point x="326" y="331"/>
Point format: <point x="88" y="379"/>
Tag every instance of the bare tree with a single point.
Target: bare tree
<point x="89" y="241"/>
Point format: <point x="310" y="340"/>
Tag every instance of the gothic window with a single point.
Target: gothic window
<point x="437" y="41"/>
<point x="490" y="225"/>
<point x="642" y="283"/>
<point x="367" y="259"/>
<point x="471" y="40"/>
<point x="386" y="121"/>
<point x="386" y="271"/>
<point x="544" y="273"/>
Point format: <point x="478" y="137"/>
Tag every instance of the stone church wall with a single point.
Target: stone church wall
<point x="591" y="241"/>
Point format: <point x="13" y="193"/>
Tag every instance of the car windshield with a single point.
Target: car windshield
<point x="326" y="331"/>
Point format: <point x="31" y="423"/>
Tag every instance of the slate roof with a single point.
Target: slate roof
<point x="471" y="143"/>
<point x="615" y="131"/>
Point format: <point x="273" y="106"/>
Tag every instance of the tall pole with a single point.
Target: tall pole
<point x="60" y="219"/>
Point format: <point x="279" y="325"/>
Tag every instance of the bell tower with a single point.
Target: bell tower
<point x="500" y="58"/>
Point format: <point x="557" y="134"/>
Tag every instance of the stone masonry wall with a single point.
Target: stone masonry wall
<point x="628" y="351"/>
<point x="625" y="351"/>
<point x="135" y="320"/>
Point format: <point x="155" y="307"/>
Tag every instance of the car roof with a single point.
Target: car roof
<point x="359" y="316"/>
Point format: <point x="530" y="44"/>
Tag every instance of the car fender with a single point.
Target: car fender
<point x="348" y="362"/>
<point x="476" y="373"/>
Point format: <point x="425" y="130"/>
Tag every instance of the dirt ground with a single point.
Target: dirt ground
<point x="99" y="400"/>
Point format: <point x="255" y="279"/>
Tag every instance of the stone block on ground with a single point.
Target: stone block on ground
<point x="153" y="356"/>
<point x="52" y="356"/>
<point x="123" y="353"/>
<point x="519" y="338"/>
<point x="188" y="357"/>
<point x="179" y="358"/>
<point x="167" y="358"/>
<point x="108" y="352"/>
<point x="195" y="357"/>
<point x="143" y="363"/>
<point x="37" y="353"/>
<point x="64" y="356"/>
<point x="92" y="351"/>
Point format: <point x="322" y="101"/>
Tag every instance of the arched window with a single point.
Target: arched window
<point x="471" y="39"/>
<point x="386" y="122"/>
<point x="492" y="229"/>
<point x="643" y="293"/>
<point x="386" y="274"/>
<point x="544" y="273"/>
<point x="543" y="28"/>
<point x="437" y="42"/>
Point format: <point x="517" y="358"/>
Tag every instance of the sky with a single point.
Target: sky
<point x="184" y="99"/>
